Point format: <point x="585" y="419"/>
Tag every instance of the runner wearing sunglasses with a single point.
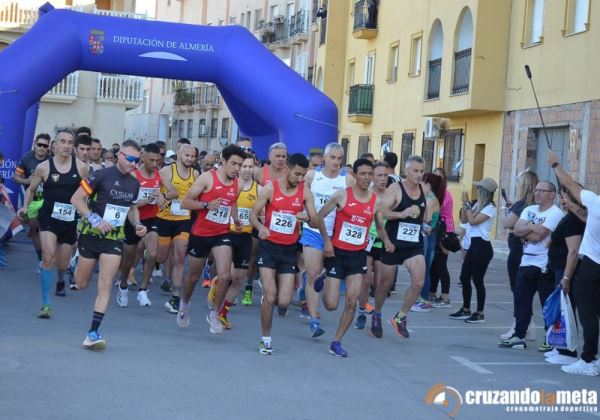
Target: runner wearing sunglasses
<point x="112" y="195"/>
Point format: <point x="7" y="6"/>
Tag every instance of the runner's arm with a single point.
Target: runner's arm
<point x="314" y="220"/>
<point x="264" y="196"/>
<point x="393" y="196"/>
<point x="335" y="201"/>
<point x="190" y="201"/>
<point x="36" y="179"/>
<point x="18" y="178"/>
<point x="380" y="225"/>
<point x="165" y="178"/>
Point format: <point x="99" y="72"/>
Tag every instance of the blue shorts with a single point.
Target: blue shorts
<point x="312" y="239"/>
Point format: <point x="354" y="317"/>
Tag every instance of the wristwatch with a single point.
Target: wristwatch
<point x="205" y="204"/>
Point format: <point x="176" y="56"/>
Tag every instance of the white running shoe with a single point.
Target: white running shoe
<point x="183" y="317"/>
<point x="551" y="353"/>
<point x="509" y="333"/>
<point x="561" y="359"/>
<point x="530" y="334"/>
<point x="215" y="325"/>
<point x="142" y="297"/>
<point x="580" y="367"/>
<point x="157" y="273"/>
<point x="122" y="297"/>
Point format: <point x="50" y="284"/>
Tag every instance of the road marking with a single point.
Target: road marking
<point x="473" y="366"/>
<point x="511" y="363"/>
<point x="466" y="326"/>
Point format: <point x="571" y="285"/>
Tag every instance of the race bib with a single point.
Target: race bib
<point x="244" y="215"/>
<point x="146" y="193"/>
<point x="64" y="212"/>
<point x="408" y="232"/>
<point x="115" y="215"/>
<point x="352" y="234"/>
<point x="371" y="241"/>
<point x="176" y="209"/>
<point x="220" y="216"/>
<point x="321" y="200"/>
<point x="283" y="223"/>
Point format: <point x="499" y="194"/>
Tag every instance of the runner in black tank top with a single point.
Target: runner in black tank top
<point x="403" y="243"/>
<point x="58" y="230"/>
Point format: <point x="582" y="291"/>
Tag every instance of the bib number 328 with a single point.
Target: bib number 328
<point x="353" y="234"/>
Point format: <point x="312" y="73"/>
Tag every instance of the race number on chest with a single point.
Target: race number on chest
<point x="115" y="215"/>
<point x="283" y="223"/>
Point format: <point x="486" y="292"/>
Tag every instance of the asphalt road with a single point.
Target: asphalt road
<point x="151" y="369"/>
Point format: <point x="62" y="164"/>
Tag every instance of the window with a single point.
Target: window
<point x="577" y="16"/>
<point x="453" y="140"/>
<point x="350" y="73"/>
<point x="213" y="128"/>
<point x="221" y="22"/>
<point x="370" y="68"/>
<point x="345" y="143"/>
<point x="273" y="11"/>
<point x="146" y="102"/>
<point x="225" y="128"/>
<point x="534" y="15"/>
<point x="257" y="19"/>
<point x="232" y="20"/>
<point x="415" y="55"/>
<point x="428" y="154"/>
<point x="180" y="129"/>
<point x="242" y="19"/>
<point x="387" y="143"/>
<point x="393" y="64"/>
<point x="202" y="130"/>
<point x="363" y="145"/>
<point x="406" y="149"/>
<point x="190" y="128"/>
<point x="248" y="19"/>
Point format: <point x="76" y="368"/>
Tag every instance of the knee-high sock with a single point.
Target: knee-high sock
<point x="46" y="283"/>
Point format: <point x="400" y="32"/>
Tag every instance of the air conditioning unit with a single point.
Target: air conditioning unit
<point x="223" y="141"/>
<point x="433" y="126"/>
<point x="203" y="130"/>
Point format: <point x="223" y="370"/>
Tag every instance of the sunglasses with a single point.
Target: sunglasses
<point x="130" y="159"/>
<point x="43" y="145"/>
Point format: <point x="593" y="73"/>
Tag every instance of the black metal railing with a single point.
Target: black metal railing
<point x="462" y="71"/>
<point x="299" y="23"/>
<point x="365" y="14"/>
<point x="361" y="100"/>
<point x="435" y="74"/>
<point x="323" y="31"/>
<point x="183" y="97"/>
<point x="200" y="95"/>
<point x="275" y="31"/>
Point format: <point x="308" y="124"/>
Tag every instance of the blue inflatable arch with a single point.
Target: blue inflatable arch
<point x="269" y="101"/>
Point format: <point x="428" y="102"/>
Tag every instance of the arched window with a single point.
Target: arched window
<point x="462" y="52"/>
<point x="434" y="65"/>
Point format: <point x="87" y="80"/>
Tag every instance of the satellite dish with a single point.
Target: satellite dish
<point x="457" y="167"/>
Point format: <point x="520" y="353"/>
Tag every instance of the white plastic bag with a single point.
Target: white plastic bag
<point x="563" y="333"/>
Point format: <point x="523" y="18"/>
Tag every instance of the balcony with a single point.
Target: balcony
<point x="299" y="27"/>
<point x="360" y="104"/>
<point x="112" y="88"/>
<point x="365" y="19"/>
<point x="434" y="78"/>
<point x="200" y="97"/>
<point x="323" y="31"/>
<point x="65" y="91"/>
<point x="275" y="34"/>
<point x="462" y="71"/>
<point x="13" y="15"/>
<point x="113" y="13"/>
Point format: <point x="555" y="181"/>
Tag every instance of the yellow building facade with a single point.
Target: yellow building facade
<point x="445" y="79"/>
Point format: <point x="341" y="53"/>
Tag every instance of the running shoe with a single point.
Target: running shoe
<point x="552" y="353"/>
<point x="421" y="306"/>
<point x="183" y="317"/>
<point x="282" y="312"/>
<point x="361" y="321"/>
<point x="122" y="297"/>
<point x="440" y="302"/>
<point x="215" y="325"/>
<point x="224" y="321"/>
<point x="93" y="341"/>
<point x="265" y="348"/>
<point x="60" y="289"/>
<point x="72" y="285"/>
<point x="461" y="314"/>
<point x="157" y="273"/>
<point x="561" y="359"/>
<point x="172" y="304"/>
<point x="315" y="329"/>
<point x="247" y="300"/>
<point x="142" y="298"/>
<point x="165" y="285"/>
<point x="369" y="308"/>
<point x="206" y="283"/>
<point x="304" y="313"/>
<point x="544" y="347"/>
<point x="336" y="349"/>
<point x="513" y="342"/>
<point x="376" y="329"/>
<point x="319" y="283"/>
<point x="530" y="334"/>
<point x="45" y="312"/>
<point x="399" y="325"/>
<point x="476" y="318"/>
<point x="580" y="367"/>
<point x="210" y="298"/>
